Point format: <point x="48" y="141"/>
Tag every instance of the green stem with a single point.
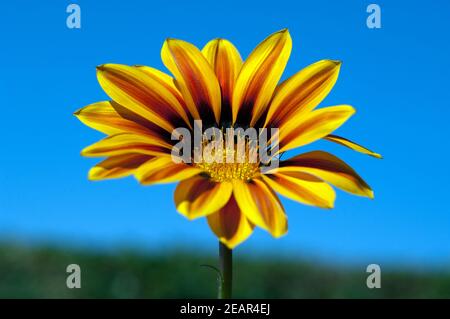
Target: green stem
<point x="226" y="269"/>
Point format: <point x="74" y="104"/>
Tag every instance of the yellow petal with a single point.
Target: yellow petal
<point x="117" y="166"/>
<point x="259" y="76"/>
<point x="195" y="78"/>
<point x="261" y="206"/>
<point x="106" y="117"/>
<point x="329" y="168"/>
<point x="302" y="92"/>
<point x="230" y="225"/>
<point x="169" y="84"/>
<point x="142" y="94"/>
<point x="126" y="143"/>
<point x="303" y="188"/>
<point x="317" y="124"/>
<point x="354" y="146"/>
<point x="199" y="196"/>
<point x="164" y="170"/>
<point x="226" y="62"/>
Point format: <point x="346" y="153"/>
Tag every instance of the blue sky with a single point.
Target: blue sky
<point x="396" y="77"/>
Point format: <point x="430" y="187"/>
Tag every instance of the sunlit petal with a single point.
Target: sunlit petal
<point x="259" y="76"/>
<point x="352" y="145"/>
<point x="125" y="143"/>
<point x="261" y="206"/>
<point x="198" y="196"/>
<point x="329" y="168"/>
<point x="230" y="224"/>
<point x="303" y="188"/>
<point x="299" y="131"/>
<point x="142" y="94"/>
<point x="195" y="78"/>
<point x="163" y="170"/>
<point x="117" y="166"/>
<point x="226" y="62"/>
<point x="302" y="92"/>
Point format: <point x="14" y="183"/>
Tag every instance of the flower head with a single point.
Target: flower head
<point x="234" y="189"/>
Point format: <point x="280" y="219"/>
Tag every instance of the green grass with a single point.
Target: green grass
<point x="40" y="273"/>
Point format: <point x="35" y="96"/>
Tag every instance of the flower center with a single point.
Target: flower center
<point x="225" y="172"/>
<point x="224" y="164"/>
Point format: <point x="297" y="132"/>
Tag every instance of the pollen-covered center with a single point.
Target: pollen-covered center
<point x="223" y="172"/>
<point x="223" y="161"/>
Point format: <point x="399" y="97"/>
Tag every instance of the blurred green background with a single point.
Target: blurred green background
<point x="29" y="271"/>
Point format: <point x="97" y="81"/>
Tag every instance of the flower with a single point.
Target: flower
<point x="215" y="86"/>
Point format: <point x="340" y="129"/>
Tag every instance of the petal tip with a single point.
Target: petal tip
<point x="170" y="41"/>
<point x="377" y="155"/>
<point x="183" y="209"/>
<point x="280" y="234"/>
<point x="285" y="33"/>
<point x="351" y="110"/>
<point x="93" y="174"/>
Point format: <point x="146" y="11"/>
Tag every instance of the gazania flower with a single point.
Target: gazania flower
<point x="216" y="86"/>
